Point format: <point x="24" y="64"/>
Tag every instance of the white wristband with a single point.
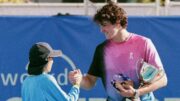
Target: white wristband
<point x="136" y="94"/>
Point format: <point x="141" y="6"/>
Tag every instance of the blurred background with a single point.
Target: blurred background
<point x="68" y="25"/>
<point x="87" y="7"/>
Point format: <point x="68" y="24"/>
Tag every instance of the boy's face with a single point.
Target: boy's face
<point x="49" y="65"/>
<point x="110" y="30"/>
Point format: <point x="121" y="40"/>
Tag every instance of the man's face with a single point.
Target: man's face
<point x="110" y="30"/>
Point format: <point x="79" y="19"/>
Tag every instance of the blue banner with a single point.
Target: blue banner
<point x="77" y="37"/>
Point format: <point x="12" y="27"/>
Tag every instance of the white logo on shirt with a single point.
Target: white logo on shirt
<point x="131" y="55"/>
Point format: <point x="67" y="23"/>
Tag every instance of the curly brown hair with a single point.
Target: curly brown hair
<point x="112" y="13"/>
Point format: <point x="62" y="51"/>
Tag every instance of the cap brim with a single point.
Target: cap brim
<point x="56" y="53"/>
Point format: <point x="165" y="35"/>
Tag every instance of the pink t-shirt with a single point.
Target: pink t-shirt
<point x="123" y="57"/>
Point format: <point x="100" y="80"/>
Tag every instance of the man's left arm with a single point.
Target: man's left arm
<point x="159" y="81"/>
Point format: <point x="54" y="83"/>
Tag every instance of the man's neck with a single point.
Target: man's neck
<point x="122" y="35"/>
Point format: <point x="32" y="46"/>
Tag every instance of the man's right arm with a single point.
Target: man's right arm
<point x="88" y="81"/>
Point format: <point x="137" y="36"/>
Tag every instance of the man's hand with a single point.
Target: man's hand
<point x="125" y="88"/>
<point x="75" y="77"/>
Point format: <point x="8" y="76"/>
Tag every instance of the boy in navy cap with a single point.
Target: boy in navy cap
<point x="41" y="86"/>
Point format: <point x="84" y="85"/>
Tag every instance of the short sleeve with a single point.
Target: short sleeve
<point x="151" y="55"/>
<point x="97" y="65"/>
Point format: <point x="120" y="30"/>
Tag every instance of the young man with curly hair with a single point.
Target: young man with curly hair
<point x="120" y="54"/>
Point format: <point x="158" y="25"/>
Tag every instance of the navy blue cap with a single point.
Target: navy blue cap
<point x="38" y="56"/>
